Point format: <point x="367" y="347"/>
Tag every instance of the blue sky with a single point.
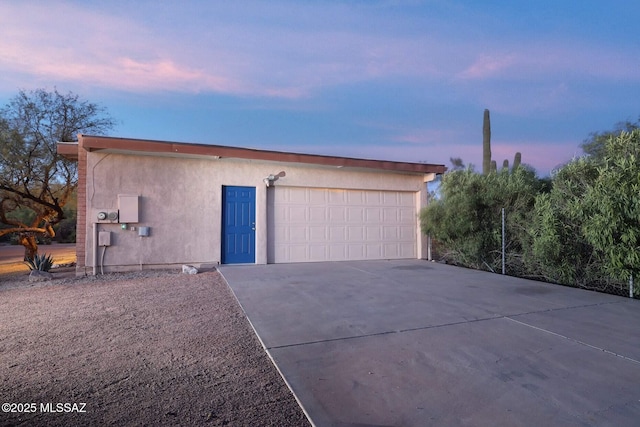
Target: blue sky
<point x="397" y="80"/>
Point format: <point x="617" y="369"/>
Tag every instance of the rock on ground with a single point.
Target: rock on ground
<point x="39" y="276"/>
<point x="189" y="269"/>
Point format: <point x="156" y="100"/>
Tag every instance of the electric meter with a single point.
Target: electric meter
<point x="102" y="216"/>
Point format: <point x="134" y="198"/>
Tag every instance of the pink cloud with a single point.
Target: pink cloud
<point x="102" y="49"/>
<point x="129" y="50"/>
<point x="119" y="51"/>
<point x="487" y="66"/>
<point x="536" y="61"/>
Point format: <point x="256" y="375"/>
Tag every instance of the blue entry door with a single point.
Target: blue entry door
<point x="238" y="225"/>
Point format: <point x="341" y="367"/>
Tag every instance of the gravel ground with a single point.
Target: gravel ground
<point x="147" y="348"/>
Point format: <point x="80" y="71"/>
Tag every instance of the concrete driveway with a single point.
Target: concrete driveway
<point x="414" y="343"/>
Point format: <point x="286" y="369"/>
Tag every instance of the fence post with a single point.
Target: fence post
<point x="631" y="286"/>
<point x="503" y="240"/>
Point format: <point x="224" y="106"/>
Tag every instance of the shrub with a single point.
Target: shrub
<point x="42" y="262"/>
<point x="466" y="220"/>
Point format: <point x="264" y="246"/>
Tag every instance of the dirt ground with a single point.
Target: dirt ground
<point x="147" y="348"/>
<point x="11" y="257"/>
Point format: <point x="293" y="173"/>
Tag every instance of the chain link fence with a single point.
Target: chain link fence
<point x="514" y="267"/>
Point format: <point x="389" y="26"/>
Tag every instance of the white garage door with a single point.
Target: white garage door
<point x="322" y="224"/>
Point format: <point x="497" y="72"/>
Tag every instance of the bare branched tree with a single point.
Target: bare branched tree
<point x="36" y="182"/>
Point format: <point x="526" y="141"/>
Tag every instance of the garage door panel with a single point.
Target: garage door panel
<point x="374" y="251"/>
<point x="298" y="214"/>
<point x="298" y="253"/>
<point x="279" y="197"/>
<point x="407" y="234"/>
<point x="390" y="199"/>
<point x="391" y="233"/>
<point x="297" y="233"/>
<point x="391" y="215"/>
<point x="336" y="197"/>
<point x="355" y="215"/>
<point x="280" y="211"/>
<point x="298" y="197"/>
<point x="406" y="215"/>
<point x="355" y="197"/>
<point x="338" y="234"/>
<point x="374" y="215"/>
<point x="313" y="224"/>
<point x="318" y="234"/>
<point x="318" y="252"/>
<point x="406" y="199"/>
<point x="279" y="234"/>
<point x="356" y="234"/>
<point x="391" y="250"/>
<point x="407" y="251"/>
<point x="338" y="252"/>
<point x="317" y="198"/>
<point x="337" y="214"/>
<point x="374" y="234"/>
<point x="374" y="198"/>
<point x="317" y="214"/>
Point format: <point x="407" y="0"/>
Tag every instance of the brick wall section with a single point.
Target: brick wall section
<point x="81" y="225"/>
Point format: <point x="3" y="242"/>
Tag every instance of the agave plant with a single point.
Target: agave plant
<point x="42" y="262"/>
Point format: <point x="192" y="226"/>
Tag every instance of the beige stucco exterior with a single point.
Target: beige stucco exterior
<point x="180" y="199"/>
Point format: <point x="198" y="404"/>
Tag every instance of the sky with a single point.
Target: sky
<point x="381" y="79"/>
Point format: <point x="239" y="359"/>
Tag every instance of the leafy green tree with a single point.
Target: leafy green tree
<point x="457" y="163"/>
<point x="33" y="177"/>
<point x="612" y="206"/>
<point x="466" y="220"/>
<point x="594" y="145"/>
<point x="585" y="231"/>
<point x="581" y="228"/>
<point x="558" y="250"/>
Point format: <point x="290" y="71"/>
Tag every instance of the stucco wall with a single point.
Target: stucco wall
<point x="180" y="200"/>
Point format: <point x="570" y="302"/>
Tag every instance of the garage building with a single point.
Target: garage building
<point x="154" y="204"/>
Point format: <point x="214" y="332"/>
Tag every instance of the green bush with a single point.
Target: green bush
<point x="580" y="229"/>
<point x="467" y="221"/>
<point x="559" y="251"/>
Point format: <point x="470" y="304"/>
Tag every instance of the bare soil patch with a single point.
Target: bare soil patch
<point x="147" y="348"/>
<point x="11" y="257"/>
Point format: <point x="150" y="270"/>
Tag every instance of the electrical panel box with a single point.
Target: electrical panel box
<point x="143" y="231"/>
<point x="128" y="208"/>
<point x="104" y="238"/>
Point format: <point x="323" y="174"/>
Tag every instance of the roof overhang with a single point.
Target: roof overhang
<point x="68" y="150"/>
<point x="179" y="149"/>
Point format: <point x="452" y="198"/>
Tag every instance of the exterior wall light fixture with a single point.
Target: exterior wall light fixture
<point x="268" y="181"/>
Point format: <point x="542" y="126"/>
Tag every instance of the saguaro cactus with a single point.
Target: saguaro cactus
<point x="489" y="165"/>
<point x="516" y="161"/>
<point x="486" y="143"/>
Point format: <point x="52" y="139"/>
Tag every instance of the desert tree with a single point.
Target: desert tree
<point x="595" y="145"/>
<point x="466" y="219"/>
<point x="35" y="181"/>
<point x="612" y="206"/>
